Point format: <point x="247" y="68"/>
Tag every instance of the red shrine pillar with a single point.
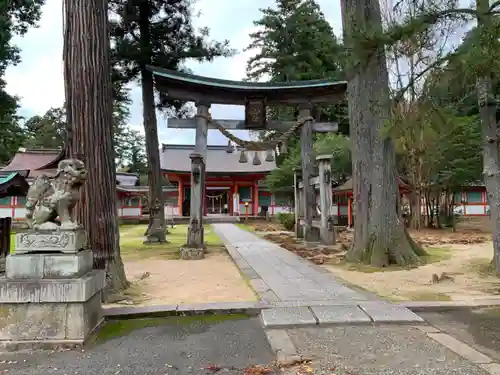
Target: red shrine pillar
<point x="180" y="197"/>
<point x="230" y="199"/>
<point x="255" y="198"/>
<point x="349" y="213"/>
<point x="205" y="201"/>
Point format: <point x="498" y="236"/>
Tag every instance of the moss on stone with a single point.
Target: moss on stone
<point x="119" y="328"/>
<point x="5" y="312"/>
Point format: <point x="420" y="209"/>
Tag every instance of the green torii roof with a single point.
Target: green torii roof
<point x="192" y="87"/>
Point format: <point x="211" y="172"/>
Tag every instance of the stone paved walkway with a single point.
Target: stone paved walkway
<point x="300" y="292"/>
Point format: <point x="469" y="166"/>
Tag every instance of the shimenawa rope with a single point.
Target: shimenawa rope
<point x="257" y="145"/>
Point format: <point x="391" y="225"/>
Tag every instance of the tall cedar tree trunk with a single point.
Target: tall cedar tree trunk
<point x="380" y="235"/>
<point x="89" y="109"/>
<point x="156" y="232"/>
<point x="490" y="131"/>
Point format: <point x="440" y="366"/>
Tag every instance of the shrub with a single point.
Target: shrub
<point x="287" y="220"/>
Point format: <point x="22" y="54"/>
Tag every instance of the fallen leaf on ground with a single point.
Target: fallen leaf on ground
<point x="212" y="368"/>
<point x="257" y="370"/>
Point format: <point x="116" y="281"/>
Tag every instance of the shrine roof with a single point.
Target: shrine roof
<point x="127" y="179"/>
<point x="34" y="162"/>
<point x="141" y="189"/>
<point x="12" y="184"/>
<point x="347" y="186"/>
<point x="175" y="158"/>
<point x="192" y="87"/>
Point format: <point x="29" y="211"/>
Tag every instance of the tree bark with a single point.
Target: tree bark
<point x="156" y="232"/>
<point x="490" y="130"/>
<point x="89" y="109"/>
<point x="380" y="235"/>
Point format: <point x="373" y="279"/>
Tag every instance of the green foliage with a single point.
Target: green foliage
<point x="130" y="148"/>
<point x="455" y="159"/>
<point x="295" y="43"/>
<point x="446" y="146"/>
<point x="173" y="39"/>
<point x="333" y="144"/>
<point x="47" y="131"/>
<point x="287" y="220"/>
<point x="16" y="17"/>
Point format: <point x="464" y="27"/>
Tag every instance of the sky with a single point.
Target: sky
<point x="38" y="79"/>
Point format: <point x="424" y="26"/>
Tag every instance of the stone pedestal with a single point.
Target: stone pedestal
<point x="49" y="265"/>
<point x="188" y="253"/>
<point x="61" y="241"/>
<point x="52" y="298"/>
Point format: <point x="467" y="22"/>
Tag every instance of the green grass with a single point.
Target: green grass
<point x="428" y="296"/>
<point x="434" y="255"/>
<point x="245" y="227"/>
<point x="133" y="248"/>
<point x="12" y="242"/>
<point x="118" y="328"/>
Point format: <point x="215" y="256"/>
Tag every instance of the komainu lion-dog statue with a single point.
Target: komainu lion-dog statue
<point x="51" y="198"/>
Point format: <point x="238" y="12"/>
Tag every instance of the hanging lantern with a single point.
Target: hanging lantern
<point x="243" y="157"/>
<point x="256" y="159"/>
<point x="283" y="148"/>
<point x="269" y="155"/>
<point x="229" y="149"/>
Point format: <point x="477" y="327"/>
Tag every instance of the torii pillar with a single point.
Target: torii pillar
<point x="326" y="230"/>
<point x="195" y="246"/>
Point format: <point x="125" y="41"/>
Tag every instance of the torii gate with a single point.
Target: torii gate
<point x="257" y="97"/>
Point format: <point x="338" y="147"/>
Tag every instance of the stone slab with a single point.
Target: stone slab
<point x="49" y="321"/>
<point x="49" y="265"/>
<point x="309" y="303"/>
<point x="64" y="241"/>
<point x="383" y="312"/>
<point x="133" y="312"/>
<point x="340" y="315"/>
<point x="281" y="317"/>
<point x="52" y="290"/>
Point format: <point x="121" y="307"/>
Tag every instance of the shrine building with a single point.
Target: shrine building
<point x="231" y="187"/>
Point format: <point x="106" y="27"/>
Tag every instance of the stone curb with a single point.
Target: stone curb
<point x="257" y="284"/>
<point x="286" y="352"/>
<point x="462" y="349"/>
<point x="437" y="306"/>
<point x="247" y="308"/>
<point x="283" y="347"/>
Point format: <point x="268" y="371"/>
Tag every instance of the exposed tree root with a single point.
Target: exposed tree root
<point x="394" y="247"/>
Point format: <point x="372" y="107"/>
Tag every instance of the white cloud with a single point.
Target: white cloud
<point x="38" y="80"/>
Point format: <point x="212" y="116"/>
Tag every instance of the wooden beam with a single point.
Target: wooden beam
<point x="190" y="123"/>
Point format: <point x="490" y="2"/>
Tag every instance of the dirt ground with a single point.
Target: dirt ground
<point x="166" y="282"/>
<point x="462" y="277"/>
<point x="158" y="277"/>
<point x="461" y="272"/>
